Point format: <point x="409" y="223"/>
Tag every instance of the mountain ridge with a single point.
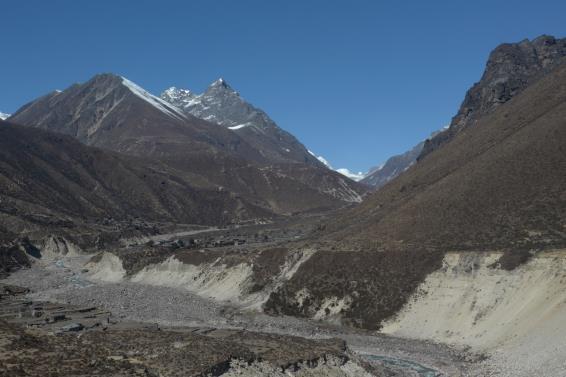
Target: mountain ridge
<point x="395" y="165"/>
<point x="222" y="105"/>
<point x="511" y="67"/>
<point x="110" y="112"/>
<point x="495" y="186"/>
<point x="53" y="183"/>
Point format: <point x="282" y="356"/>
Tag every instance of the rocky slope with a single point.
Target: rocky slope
<point x="113" y="113"/>
<point x="510" y="69"/>
<point x="49" y="180"/>
<point x="495" y="186"/>
<point x="222" y="105"/>
<point x="394" y="166"/>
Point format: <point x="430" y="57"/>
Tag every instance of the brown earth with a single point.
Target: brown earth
<point x="496" y="186"/>
<point x="48" y="175"/>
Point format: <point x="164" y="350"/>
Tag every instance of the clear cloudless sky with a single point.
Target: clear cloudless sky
<point x="356" y="81"/>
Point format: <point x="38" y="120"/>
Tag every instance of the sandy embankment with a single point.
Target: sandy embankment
<point x="214" y="280"/>
<point x="516" y="316"/>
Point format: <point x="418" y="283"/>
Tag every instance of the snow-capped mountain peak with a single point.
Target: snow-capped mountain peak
<point x="4" y="115"/>
<point x="220" y="88"/>
<point x="176" y="93"/>
<point x="220" y="81"/>
<point x="157" y="102"/>
<point x="224" y="106"/>
<point x="218" y="104"/>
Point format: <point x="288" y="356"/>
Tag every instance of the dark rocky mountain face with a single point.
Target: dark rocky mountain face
<point x="222" y="105"/>
<point x="379" y="176"/>
<point x="51" y="181"/>
<point x="394" y="166"/>
<point x="511" y="68"/>
<point x="113" y="113"/>
<point x="495" y="186"/>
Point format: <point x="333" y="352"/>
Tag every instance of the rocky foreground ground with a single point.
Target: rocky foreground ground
<point x="147" y="329"/>
<point x="48" y="339"/>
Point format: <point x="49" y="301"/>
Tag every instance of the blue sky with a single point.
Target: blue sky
<point x="356" y="81"/>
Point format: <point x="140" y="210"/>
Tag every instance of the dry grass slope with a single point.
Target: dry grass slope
<point x="497" y="186"/>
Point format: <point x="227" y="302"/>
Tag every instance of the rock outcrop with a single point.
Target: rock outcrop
<point x="510" y="69"/>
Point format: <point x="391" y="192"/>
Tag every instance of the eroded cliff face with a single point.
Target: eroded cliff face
<point x="511" y="67"/>
<point x="244" y="280"/>
<point x="471" y="301"/>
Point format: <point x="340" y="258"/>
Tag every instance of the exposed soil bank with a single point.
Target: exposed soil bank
<point x="517" y="315"/>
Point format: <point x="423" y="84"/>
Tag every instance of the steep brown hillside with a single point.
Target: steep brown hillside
<point x="48" y="176"/>
<point x="497" y="185"/>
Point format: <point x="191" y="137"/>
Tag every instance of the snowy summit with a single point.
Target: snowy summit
<point x="157" y="102"/>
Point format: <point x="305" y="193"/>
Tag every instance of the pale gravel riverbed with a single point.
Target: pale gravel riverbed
<point x="63" y="281"/>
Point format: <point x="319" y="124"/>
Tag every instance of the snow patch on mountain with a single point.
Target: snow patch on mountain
<point x="222" y="105"/>
<point x="240" y="126"/>
<point x="321" y="159"/>
<point x="219" y="104"/>
<point x="157" y="102"/>
<point x="345" y="172"/>
<point x="4" y="115"/>
<point x="353" y="176"/>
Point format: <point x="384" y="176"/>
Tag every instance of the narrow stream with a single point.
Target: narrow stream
<point x="74" y="277"/>
<point x="402" y="364"/>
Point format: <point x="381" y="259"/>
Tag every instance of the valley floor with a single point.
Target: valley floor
<point x="64" y="280"/>
<point x="471" y="317"/>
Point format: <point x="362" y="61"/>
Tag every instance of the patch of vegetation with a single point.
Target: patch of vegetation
<point x="379" y="283"/>
<point x="512" y="259"/>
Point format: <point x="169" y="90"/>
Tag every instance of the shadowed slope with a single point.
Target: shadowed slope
<point x="44" y="174"/>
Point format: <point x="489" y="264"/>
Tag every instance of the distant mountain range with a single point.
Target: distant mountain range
<point x="4" y="116"/>
<point x="380" y="175"/>
<point x="239" y="176"/>
<point x="394" y="166"/>
<point x="345" y="172"/>
<point x="220" y="104"/>
<point x="223" y="105"/>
